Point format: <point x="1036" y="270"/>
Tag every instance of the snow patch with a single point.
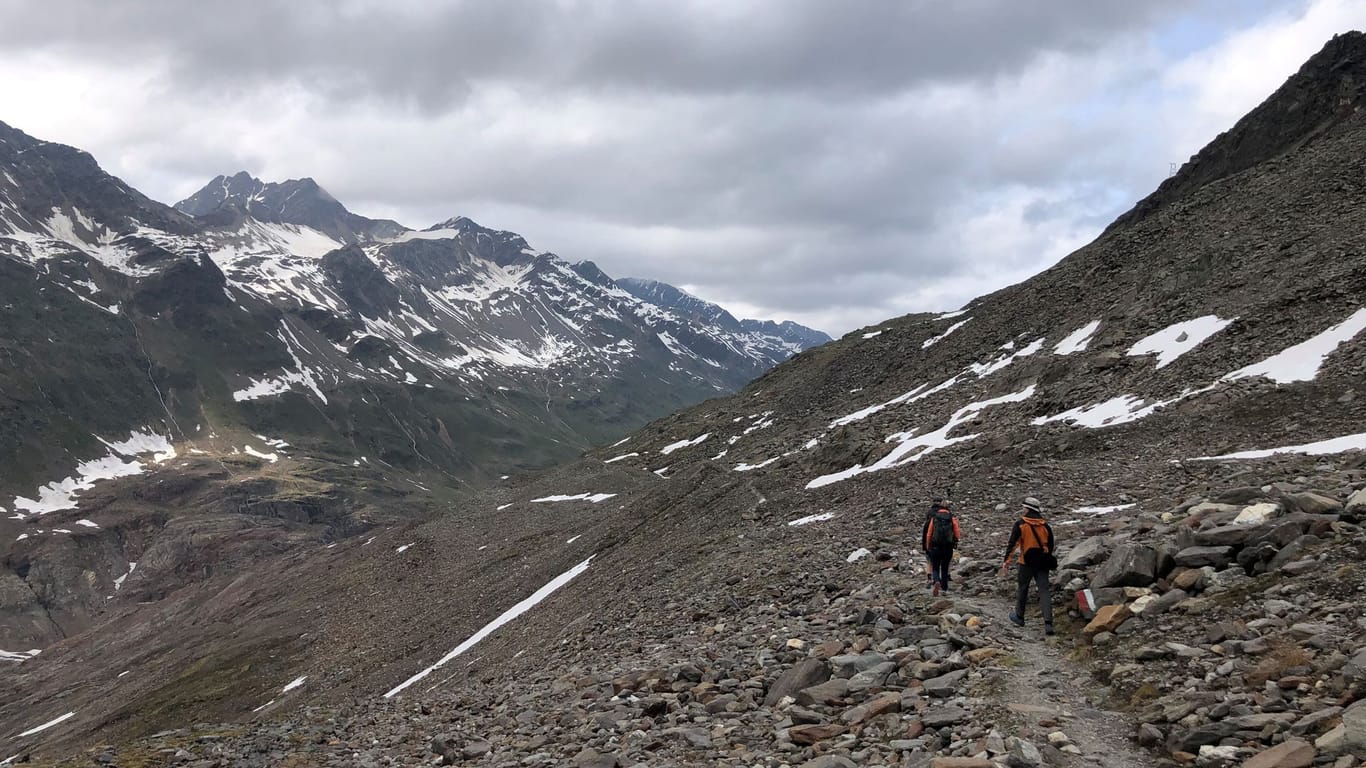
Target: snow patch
<point x="1078" y="340"/>
<point x="760" y="465"/>
<point x="48" y="724"/>
<point x="517" y="610"/>
<point x="668" y="449"/>
<point x="295" y="683"/>
<point x="809" y="519"/>
<point x="1176" y="340"/>
<point x="932" y="341"/>
<point x="1342" y="444"/>
<point x="620" y="458"/>
<point x="872" y="334"/>
<point x="1101" y="510"/>
<point x="1303" y="361"/>
<point x="914" y="447"/>
<point x="590" y="497"/>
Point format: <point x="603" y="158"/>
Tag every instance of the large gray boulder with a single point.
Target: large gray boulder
<point x="1356" y="504"/>
<point x="1313" y="503"/>
<point x="1130" y="565"/>
<point x="803" y="674"/>
<point x="1199" y="557"/>
<point x="1086" y="553"/>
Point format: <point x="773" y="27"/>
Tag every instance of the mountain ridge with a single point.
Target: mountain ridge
<point x="739" y="581"/>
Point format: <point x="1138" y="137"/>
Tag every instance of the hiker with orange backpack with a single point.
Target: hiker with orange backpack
<point x="1034" y="538"/>
<point x="940" y="539"/>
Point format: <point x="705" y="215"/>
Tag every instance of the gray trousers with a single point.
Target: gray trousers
<point x="1040" y="578"/>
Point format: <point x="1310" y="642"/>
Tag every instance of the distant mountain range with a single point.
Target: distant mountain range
<point x="269" y="308"/>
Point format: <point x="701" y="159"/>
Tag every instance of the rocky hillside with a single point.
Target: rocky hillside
<point x="738" y="583"/>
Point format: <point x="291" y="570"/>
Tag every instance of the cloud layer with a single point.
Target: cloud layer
<point x="835" y="163"/>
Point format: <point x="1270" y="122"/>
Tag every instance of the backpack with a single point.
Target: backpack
<point x="1032" y="550"/>
<point x="941" y="531"/>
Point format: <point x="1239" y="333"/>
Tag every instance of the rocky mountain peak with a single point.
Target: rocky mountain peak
<point x="301" y="201"/>
<point x="1330" y="87"/>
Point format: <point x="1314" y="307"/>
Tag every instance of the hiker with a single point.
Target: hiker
<point x="929" y="566"/>
<point x="940" y="538"/>
<point x="1034" y="537"/>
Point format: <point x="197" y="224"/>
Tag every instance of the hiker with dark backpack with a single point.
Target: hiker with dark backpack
<point x="940" y="539"/>
<point x="1034" y="538"/>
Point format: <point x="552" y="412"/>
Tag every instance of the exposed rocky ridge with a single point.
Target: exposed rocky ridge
<point x="227" y="199"/>
<point x="705" y="313"/>
<point x="733" y="525"/>
<point x="1329" y="88"/>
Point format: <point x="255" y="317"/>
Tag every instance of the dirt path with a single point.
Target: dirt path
<point x="1048" y="692"/>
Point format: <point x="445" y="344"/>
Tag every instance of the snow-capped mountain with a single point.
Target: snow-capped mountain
<point x="273" y="308"/>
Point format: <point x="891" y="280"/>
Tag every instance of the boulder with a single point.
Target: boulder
<point x="1198" y="557"/>
<point x="1288" y="754"/>
<point x="829" y="761"/>
<point x="1107" y="619"/>
<point x="1189" y="581"/>
<point x="1165" y="602"/>
<point x="1227" y="535"/>
<point x="1130" y="565"/>
<point x="1356" y="504"/>
<point x="1257" y="514"/>
<point x="1086" y="553"/>
<point x="804" y="674"/>
<point x="828" y="692"/>
<point x="851" y="664"/>
<point x="1312" y="503"/>
<point x="939" y="717"/>
<point x="811" y="734"/>
<point x="1354" y="725"/>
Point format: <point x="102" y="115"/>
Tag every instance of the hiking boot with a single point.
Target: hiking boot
<point x="1016" y="619"/>
<point x="936" y="590"/>
<point x="1048" y="629"/>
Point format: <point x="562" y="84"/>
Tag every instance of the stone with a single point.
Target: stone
<point x="961" y="762"/>
<point x="1356" y="503"/>
<point x="1190" y="581"/>
<point x="872" y="678"/>
<point x="1227" y="535"/>
<point x="945" y="686"/>
<point x="1088" y="552"/>
<point x="590" y="758"/>
<point x="850" y="664"/>
<point x="1107" y="619"/>
<point x="1257" y="514"/>
<point x="697" y="737"/>
<point x="1334" y="741"/>
<point x="1130" y="565"/>
<point x="811" y="734"/>
<point x="1200" y="556"/>
<point x="829" y="761"/>
<point x="878" y="705"/>
<point x="1312" y="503"/>
<point x="829" y="692"/>
<point x="1315" y="722"/>
<point x="803" y="674"/>
<point x="1354" y="723"/>
<point x="1287" y="754"/>
<point x="1165" y="602"/>
<point x="938" y="717"/>
<point x="1202" y="735"/>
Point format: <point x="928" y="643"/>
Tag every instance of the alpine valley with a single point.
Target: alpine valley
<point x="285" y="538"/>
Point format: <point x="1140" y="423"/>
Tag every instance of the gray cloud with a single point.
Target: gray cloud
<point x="834" y="162"/>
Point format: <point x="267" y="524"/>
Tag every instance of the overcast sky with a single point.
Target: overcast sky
<point x="836" y="163"/>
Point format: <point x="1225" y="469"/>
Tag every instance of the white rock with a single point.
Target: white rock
<point x="1256" y="514"/>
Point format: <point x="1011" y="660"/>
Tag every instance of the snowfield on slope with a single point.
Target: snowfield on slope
<point x="517" y="610"/>
<point x="914" y="447"/>
<point x="1177" y="339"/>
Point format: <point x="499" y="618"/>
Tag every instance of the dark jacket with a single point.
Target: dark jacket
<point x="926" y="531"/>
